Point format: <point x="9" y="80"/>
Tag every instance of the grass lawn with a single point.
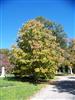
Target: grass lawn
<point x="17" y="90"/>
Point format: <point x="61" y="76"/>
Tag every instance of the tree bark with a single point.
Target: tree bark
<point x="70" y="70"/>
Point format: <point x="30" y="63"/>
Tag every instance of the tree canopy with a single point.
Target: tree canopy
<point x="37" y="51"/>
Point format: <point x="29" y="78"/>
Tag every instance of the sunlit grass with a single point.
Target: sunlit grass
<point x="17" y="90"/>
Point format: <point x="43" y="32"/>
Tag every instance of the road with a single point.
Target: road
<point x="64" y="89"/>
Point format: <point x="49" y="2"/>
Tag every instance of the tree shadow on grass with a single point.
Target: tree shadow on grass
<point x="27" y="79"/>
<point x="66" y="86"/>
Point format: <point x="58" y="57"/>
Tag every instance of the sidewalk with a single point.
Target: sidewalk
<point x="65" y="90"/>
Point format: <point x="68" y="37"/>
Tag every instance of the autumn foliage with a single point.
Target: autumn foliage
<point x="4" y="62"/>
<point x="37" y="52"/>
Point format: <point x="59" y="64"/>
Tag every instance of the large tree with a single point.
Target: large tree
<point x="37" y="52"/>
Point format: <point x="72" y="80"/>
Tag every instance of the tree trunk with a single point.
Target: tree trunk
<point x="70" y="70"/>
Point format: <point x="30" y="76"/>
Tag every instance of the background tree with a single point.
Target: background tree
<point x="4" y="51"/>
<point x="57" y="30"/>
<point x="4" y="60"/>
<point x="71" y="51"/>
<point x="69" y="56"/>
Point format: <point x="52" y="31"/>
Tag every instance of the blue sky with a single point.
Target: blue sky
<point x="14" y="13"/>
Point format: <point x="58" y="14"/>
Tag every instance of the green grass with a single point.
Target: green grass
<point x="17" y="90"/>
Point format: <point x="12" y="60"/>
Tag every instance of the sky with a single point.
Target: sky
<point x="14" y="13"/>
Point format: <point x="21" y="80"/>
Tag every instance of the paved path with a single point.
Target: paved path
<point x="63" y="90"/>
